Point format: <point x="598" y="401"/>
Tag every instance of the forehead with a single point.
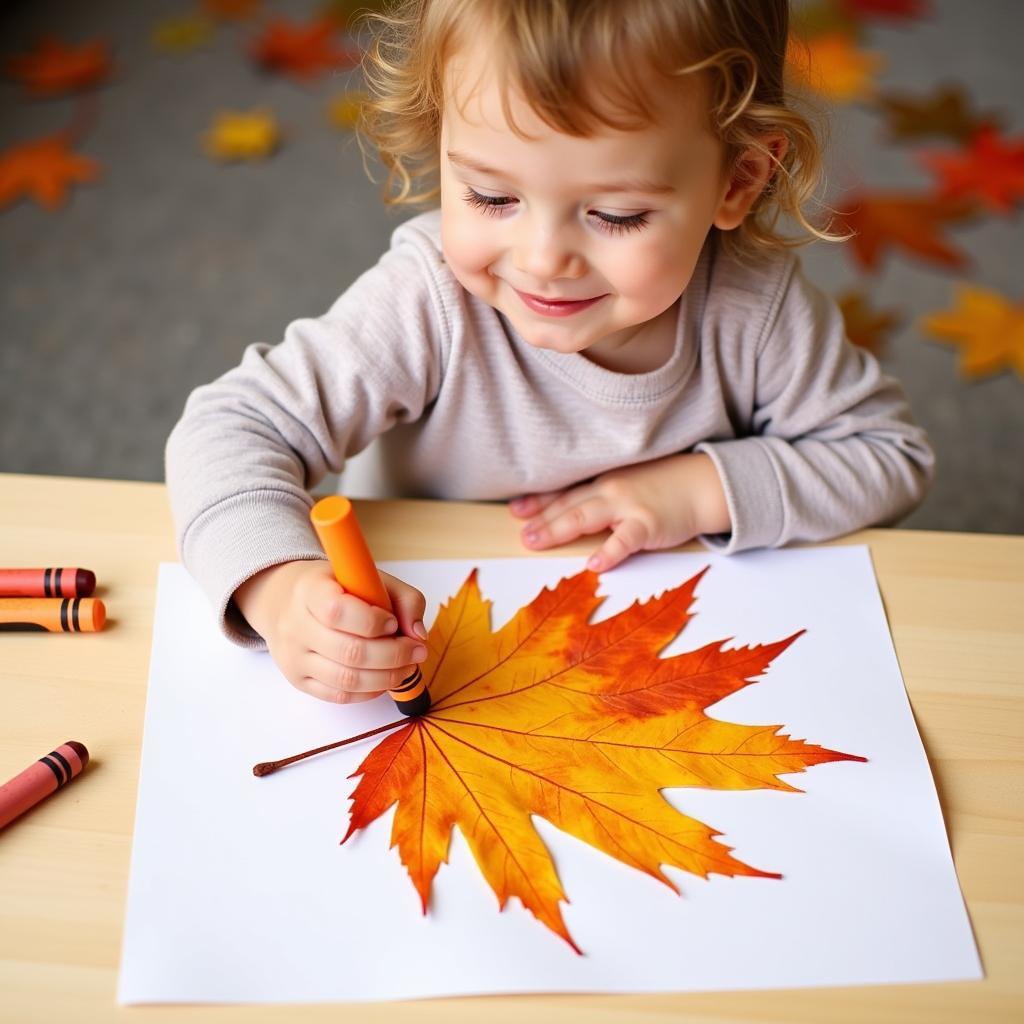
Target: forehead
<point x="482" y="99"/>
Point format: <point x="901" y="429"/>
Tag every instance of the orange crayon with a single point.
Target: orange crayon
<point x="52" y="614"/>
<point x="335" y="523"/>
<point x="47" y="582"/>
<point x="41" y="779"/>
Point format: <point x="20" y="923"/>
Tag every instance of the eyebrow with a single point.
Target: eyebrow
<point x="636" y="185"/>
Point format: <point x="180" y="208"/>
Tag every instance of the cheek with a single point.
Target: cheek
<point x="652" y="274"/>
<point x="465" y="246"/>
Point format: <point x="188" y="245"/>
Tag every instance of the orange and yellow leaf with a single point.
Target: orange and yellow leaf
<point x="582" y="724"/>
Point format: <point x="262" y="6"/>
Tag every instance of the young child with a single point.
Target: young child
<point x="599" y="325"/>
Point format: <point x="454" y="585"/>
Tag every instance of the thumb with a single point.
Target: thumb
<point x="408" y="604"/>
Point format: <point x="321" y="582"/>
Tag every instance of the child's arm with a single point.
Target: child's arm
<point x="250" y="445"/>
<point x="823" y="444"/>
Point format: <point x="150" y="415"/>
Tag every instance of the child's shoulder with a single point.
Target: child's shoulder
<point x="422" y="232"/>
<point x="750" y="294"/>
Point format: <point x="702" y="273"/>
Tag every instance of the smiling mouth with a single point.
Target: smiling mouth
<point x="555" y="307"/>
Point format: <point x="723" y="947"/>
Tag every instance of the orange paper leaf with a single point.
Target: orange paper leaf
<point x="581" y="724"/>
<point x="989" y="328"/>
<point x="865" y="327"/>
<point x="54" y="68"/>
<point x="43" y="169"/>
<point x="944" y="112"/>
<point x="302" y="51"/>
<point x="910" y="222"/>
<point x="832" y="65"/>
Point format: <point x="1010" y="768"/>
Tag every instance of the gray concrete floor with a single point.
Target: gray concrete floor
<point x="153" y="280"/>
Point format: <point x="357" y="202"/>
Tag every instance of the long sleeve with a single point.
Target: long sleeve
<point x="831" y="448"/>
<point x="248" y="447"/>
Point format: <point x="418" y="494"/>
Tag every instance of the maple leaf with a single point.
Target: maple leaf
<point x="866" y="327"/>
<point x="242" y="136"/>
<point x="54" y="68"/>
<point x="183" y="33"/>
<point x="302" y="51"/>
<point x="910" y="222"/>
<point x="581" y="724"/>
<point x="945" y="112"/>
<point x="43" y="168"/>
<point x="990" y="168"/>
<point x="832" y="64"/>
<point x="988" y="326"/>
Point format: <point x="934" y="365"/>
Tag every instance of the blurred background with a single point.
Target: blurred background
<point x="178" y="179"/>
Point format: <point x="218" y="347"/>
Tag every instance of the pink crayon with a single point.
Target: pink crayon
<point x="41" y="779"/>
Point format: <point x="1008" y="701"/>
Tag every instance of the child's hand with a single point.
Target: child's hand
<point x="332" y="644"/>
<point x="648" y="506"/>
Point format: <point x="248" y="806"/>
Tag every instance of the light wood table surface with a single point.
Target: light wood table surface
<point x="956" y="609"/>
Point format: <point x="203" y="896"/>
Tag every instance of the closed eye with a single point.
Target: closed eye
<point x="610" y="223"/>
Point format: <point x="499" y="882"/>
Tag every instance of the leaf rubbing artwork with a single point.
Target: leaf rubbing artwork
<point x="581" y="724"/>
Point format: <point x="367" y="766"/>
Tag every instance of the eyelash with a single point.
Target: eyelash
<point x="493" y="205"/>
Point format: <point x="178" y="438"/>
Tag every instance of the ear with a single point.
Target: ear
<point x="748" y="178"/>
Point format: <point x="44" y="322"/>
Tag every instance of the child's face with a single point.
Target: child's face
<point x="609" y="227"/>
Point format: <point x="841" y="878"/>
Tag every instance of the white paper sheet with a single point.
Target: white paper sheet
<point x="240" y="891"/>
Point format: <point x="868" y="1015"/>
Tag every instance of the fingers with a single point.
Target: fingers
<point x="332" y="607"/>
<point x="530" y="504"/>
<point x="565" y="520"/>
<point x="320" y="690"/>
<point x="409" y="605"/>
<point x="628" y="537"/>
<point x="343" y="684"/>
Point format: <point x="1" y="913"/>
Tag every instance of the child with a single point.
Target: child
<point x="600" y="325"/>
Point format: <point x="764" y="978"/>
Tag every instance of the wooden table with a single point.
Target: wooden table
<point x="955" y="604"/>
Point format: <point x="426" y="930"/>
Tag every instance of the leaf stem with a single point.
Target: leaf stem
<point x="266" y="767"/>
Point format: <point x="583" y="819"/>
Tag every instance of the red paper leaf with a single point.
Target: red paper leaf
<point x="989" y="168"/>
<point x="913" y="223"/>
<point x="43" y="169"/>
<point x="54" y="68"/>
<point x="302" y="51"/>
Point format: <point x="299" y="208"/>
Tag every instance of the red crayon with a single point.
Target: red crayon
<point x="41" y="779"/>
<point x="47" y="582"/>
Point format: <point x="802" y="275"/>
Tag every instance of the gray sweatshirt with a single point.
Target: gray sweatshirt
<point x="810" y="439"/>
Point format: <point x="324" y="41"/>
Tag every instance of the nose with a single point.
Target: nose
<point x="546" y="252"/>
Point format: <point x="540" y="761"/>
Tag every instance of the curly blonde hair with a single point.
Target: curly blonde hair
<point x="555" y="52"/>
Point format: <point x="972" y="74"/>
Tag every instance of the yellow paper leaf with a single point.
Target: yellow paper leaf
<point x="988" y="327"/>
<point x="242" y="136"/>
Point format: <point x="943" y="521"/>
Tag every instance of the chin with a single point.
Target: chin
<point x="541" y="339"/>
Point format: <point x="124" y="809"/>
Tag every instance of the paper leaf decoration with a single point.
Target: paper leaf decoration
<point x="182" y="34"/>
<point x="989" y="168"/>
<point x="53" y="68"/>
<point x="867" y="328"/>
<point x="832" y="65"/>
<point x="43" y="169"/>
<point x="302" y="51"/>
<point x="989" y="329"/>
<point x="913" y="223"/>
<point x="344" y="110"/>
<point x="945" y="112"/>
<point x="235" y="135"/>
<point x="231" y="10"/>
<point x="581" y="724"/>
<point x="343" y="12"/>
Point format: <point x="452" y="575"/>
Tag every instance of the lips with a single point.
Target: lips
<point x="555" y="307"/>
